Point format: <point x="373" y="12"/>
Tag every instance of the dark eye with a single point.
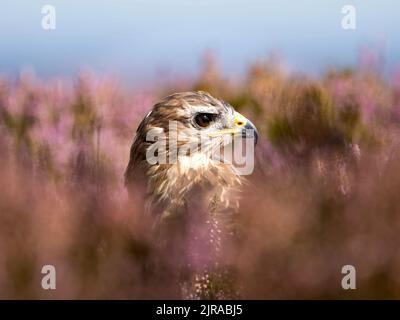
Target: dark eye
<point x="204" y="119"/>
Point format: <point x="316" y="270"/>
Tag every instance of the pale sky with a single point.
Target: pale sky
<point x="137" y="38"/>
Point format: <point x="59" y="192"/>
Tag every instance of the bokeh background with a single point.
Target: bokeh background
<point x="326" y="101"/>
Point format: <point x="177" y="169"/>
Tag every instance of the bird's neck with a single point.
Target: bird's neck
<point x="189" y="182"/>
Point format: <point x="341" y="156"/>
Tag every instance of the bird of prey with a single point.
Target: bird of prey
<point x="191" y="193"/>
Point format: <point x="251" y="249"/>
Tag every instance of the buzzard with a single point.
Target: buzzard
<point x="191" y="188"/>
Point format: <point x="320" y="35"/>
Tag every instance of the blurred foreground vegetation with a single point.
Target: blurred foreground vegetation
<point x="324" y="193"/>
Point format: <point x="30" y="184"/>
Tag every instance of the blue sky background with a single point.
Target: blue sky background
<point x="135" y="39"/>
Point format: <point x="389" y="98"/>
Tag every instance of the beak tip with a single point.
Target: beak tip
<point x="250" y="131"/>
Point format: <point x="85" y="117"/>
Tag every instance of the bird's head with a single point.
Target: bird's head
<point x="187" y="128"/>
<point x="198" y="120"/>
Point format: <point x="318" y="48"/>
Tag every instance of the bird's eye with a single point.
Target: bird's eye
<point x="204" y="119"/>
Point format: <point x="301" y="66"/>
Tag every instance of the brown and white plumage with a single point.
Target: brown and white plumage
<point x="193" y="195"/>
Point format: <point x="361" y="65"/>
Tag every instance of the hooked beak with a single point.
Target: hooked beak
<point x="241" y="126"/>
